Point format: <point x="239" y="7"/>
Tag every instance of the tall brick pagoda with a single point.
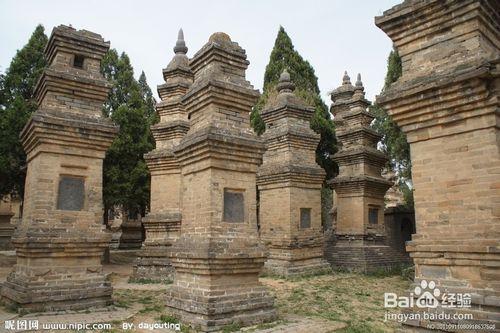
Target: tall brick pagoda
<point x="61" y="237"/>
<point x="447" y="102"/>
<point x="162" y="224"/>
<point x="289" y="183"/>
<point x="359" y="240"/>
<point x="218" y="256"/>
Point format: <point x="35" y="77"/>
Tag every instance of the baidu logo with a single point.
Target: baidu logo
<point x="427" y="295"/>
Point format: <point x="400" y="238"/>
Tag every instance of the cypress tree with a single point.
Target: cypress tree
<point x="126" y="177"/>
<point x="149" y="100"/>
<point x="302" y="74"/>
<point x="394" y="142"/>
<point x="16" y="106"/>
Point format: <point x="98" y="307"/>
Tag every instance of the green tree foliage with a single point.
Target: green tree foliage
<point x="16" y="106"/>
<point x="149" y="100"/>
<point x="302" y="74"/>
<point x="394" y="68"/>
<point x="126" y="177"/>
<point x="394" y="141"/>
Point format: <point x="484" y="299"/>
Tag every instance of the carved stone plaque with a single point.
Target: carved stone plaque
<point x="71" y="193"/>
<point x="305" y="218"/>
<point x="373" y="215"/>
<point x="234" y="206"/>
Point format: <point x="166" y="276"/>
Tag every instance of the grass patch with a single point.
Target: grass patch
<point x="11" y="307"/>
<point x="152" y="308"/>
<point x="360" y="328"/>
<point x="234" y="327"/>
<point x="146" y="300"/>
<point x="353" y="298"/>
<point x="390" y="271"/>
<point x="165" y="318"/>
<point x="266" y="326"/>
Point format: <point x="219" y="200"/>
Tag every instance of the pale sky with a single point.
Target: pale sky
<point x="333" y="35"/>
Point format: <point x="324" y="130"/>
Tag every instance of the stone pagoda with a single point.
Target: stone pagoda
<point x="360" y="188"/>
<point x="218" y="256"/>
<point x="163" y="223"/>
<point x="289" y="183"/>
<point x="447" y="101"/>
<point x="61" y="238"/>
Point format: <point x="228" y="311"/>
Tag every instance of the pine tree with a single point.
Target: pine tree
<point x="394" y="142"/>
<point x="302" y="74"/>
<point x="126" y="177"/>
<point x="16" y="106"/>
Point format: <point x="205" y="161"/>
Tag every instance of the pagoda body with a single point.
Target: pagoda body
<point x="163" y="223"/>
<point x="289" y="183"/>
<point x="447" y="102"/>
<point x="218" y="256"/>
<point x="359" y="236"/>
<point x="61" y="238"/>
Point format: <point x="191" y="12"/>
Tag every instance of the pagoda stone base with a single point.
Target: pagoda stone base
<point x="153" y="265"/>
<point x="361" y="254"/>
<point x="296" y="262"/>
<point x="6" y="231"/>
<point x="214" y="289"/>
<point x="132" y="235"/>
<point x="212" y="310"/>
<point x="57" y="284"/>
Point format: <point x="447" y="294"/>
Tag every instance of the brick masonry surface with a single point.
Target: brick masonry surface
<point x="61" y="237"/>
<point x="447" y="103"/>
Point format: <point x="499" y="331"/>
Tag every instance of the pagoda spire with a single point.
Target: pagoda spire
<point x="180" y="46"/>
<point x="285" y="84"/>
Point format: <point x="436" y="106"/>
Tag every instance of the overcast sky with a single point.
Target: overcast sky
<point x="332" y="35"/>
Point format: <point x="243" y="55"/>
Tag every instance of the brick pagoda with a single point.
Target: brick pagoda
<point x="61" y="238"/>
<point x="447" y="102"/>
<point x="359" y="239"/>
<point x="289" y="183"/>
<point x="218" y="256"/>
<point x="162" y="224"/>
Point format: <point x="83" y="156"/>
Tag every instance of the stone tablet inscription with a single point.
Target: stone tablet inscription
<point x="305" y="218"/>
<point x="373" y="215"/>
<point x="71" y="193"/>
<point x="234" y="206"/>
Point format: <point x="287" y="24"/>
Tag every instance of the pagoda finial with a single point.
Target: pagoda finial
<point x="180" y="45"/>
<point x="359" y="90"/>
<point x="359" y="84"/>
<point x="285" y="84"/>
<point x="346" y="79"/>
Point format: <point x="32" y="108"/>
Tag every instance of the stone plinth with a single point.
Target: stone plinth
<point x="447" y="103"/>
<point x="61" y="237"/>
<point x="115" y="219"/>
<point x="399" y="225"/>
<point x="359" y="233"/>
<point x="9" y="215"/>
<point x="131" y="232"/>
<point x="218" y="256"/>
<point x="162" y="224"/>
<point x="289" y="183"/>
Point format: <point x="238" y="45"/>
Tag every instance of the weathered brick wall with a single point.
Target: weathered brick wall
<point x="447" y="103"/>
<point x="162" y="224"/>
<point x="61" y="238"/>
<point x="218" y="255"/>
